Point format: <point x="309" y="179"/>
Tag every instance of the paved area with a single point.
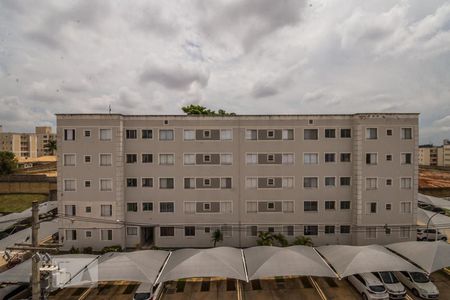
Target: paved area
<point x="104" y="291"/>
<point x="200" y="289"/>
<point x="335" y="289"/>
<point x="281" y="288"/>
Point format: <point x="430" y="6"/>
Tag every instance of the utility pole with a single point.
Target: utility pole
<point x="35" y="248"/>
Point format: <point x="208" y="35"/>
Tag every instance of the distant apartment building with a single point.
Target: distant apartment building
<point x="430" y="155"/>
<point x="27" y="144"/>
<point x="172" y="180"/>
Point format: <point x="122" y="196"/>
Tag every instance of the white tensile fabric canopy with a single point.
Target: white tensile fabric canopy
<point x="430" y="256"/>
<point x="349" y="260"/>
<point x="141" y="266"/>
<point x="268" y="261"/>
<point x="214" y="262"/>
<point x="435" y="201"/>
<point x="438" y="220"/>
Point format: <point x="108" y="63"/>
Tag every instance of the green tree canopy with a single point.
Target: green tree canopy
<point x="194" y="109"/>
<point x="8" y="162"/>
<point x="51" y="146"/>
<point x="216" y="237"/>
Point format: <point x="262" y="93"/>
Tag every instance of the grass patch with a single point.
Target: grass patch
<point x="19" y="202"/>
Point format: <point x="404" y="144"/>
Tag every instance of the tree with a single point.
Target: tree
<point x="51" y="146"/>
<point x="281" y="240"/>
<point x="303" y="240"/>
<point x="265" y="238"/>
<point x="8" y="162"/>
<point x="217" y="236"/>
<point x="195" y="109"/>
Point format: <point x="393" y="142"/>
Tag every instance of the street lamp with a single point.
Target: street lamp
<point x="428" y="224"/>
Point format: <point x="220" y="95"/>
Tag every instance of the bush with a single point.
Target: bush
<point x="74" y="250"/>
<point x="115" y="248"/>
<point x="87" y="250"/>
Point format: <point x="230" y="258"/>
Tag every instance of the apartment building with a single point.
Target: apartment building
<point x="430" y="155"/>
<point x="27" y="144"/>
<point x="171" y="180"/>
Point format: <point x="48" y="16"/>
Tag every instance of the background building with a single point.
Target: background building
<point x="172" y="180"/>
<point x="439" y="156"/>
<point x="27" y="144"/>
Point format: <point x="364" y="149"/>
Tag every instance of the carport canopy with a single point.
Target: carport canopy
<point x="141" y="266"/>
<point x="349" y="260"/>
<point x="430" y="256"/>
<point x="214" y="262"/>
<point x="268" y="261"/>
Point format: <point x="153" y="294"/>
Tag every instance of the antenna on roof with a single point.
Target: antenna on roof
<point x="109" y="109"/>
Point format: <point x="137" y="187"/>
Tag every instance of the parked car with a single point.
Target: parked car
<point x="395" y="289"/>
<point x="419" y="284"/>
<point x="147" y="291"/>
<point x="430" y="235"/>
<point x="369" y="286"/>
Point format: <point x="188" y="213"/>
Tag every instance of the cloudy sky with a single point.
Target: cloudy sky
<point x="254" y="56"/>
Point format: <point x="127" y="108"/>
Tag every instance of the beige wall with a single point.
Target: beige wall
<point x="239" y="195"/>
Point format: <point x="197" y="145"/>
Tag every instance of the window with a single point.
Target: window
<point x="288" y="230"/>
<point x="330" y="181"/>
<point x="189" y="135"/>
<point x="330" y="205"/>
<point x="207" y="229"/>
<point x="227" y="230"/>
<point x="388" y="157"/>
<point x="147" y="134"/>
<point x="287" y="158"/>
<point x="105" y="134"/>
<point x="69" y="134"/>
<point x="166" y="183"/>
<point x="287" y="182"/>
<point x="345" y="204"/>
<point x="206" y="158"/>
<point x="225" y="183"/>
<point x="371" y="232"/>
<point x="147" y="206"/>
<point x="147" y="158"/>
<point x="371" y="133"/>
<point x="87" y="159"/>
<point x="330" y="157"/>
<point x="87" y="183"/>
<point x="105" y="160"/>
<point x="70" y="210"/>
<point x="147" y="182"/>
<point x="69" y="159"/>
<point x="346" y="133"/>
<point x="345" y="181"/>
<point x="251" y="182"/>
<point x="406" y="133"/>
<point x="106" y="210"/>
<point x="206" y="134"/>
<point x="389" y="132"/>
<point x="271" y="229"/>
<point x="405" y="207"/>
<point x="251" y="134"/>
<point x="371" y="183"/>
<point x="344" y="229"/>
<point x="189" y="231"/>
<point x="226" y="159"/>
<point x="132" y="207"/>
<point x="207" y="206"/>
<point x="310" y="134"/>
<point x="371" y="208"/>
<point x="166" y="159"/>
<point x="330" y="133"/>
<point x="252" y="206"/>
<point x="251" y="158"/>
<point x="388" y="206"/>
<point x="371" y="158"/>
<point x="389" y="181"/>
<point x="310" y="158"/>
<point x="404" y="232"/>
<point x="131" y="158"/>
<point x="287" y="134"/>
<point x="329" y="229"/>
<point x="131" y="182"/>
<point x="106" y="235"/>
<point x="87" y="133"/>
<point x="405" y="183"/>
<point x="270" y="205"/>
<point x="190" y="207"/>
<point x="88" y="234"/>
<point x="189" y="159"/>
<point x="225" y="207"/>
<point x="252" y="230"/>
<point x="311" y="230"/>
<point x="270" y="134"/>
<point x="132" y="230"/>
<point x="166" y="135"/>
<point x="270" y="157"/>
<point x="270" y="181"/>
<point x="406" y="158"/>
<point x="310" y="182"/>
<point x="346" y="157"/>
<point x="166" y="207"/>
<point x="166" y="231"/>
<point x="189" y="183"/>
<point x="105" y="185"/>
<point x="70" y="185"/>
<point x="206" y="182"/>
<point x="71" y="235"/>
<point x="310" y="206"/>
<point x="131" y="134"/>
<point x="88" y="209"/>
<point x="226" y="134"/>
<point x="288" y="206"/>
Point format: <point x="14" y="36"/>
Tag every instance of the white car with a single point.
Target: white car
<point x="430" y="235"/>
<point x="369" y="286"/>
<point x="419" y="284"/>
<point x="147" y="291"/>
<point x="393" y="286"/>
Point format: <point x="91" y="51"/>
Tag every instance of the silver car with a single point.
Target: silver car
<point x="393" y="286"/>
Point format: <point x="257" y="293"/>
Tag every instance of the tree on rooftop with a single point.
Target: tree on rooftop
<point x="8" y="162"/>
<point x="195" y="109"/>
